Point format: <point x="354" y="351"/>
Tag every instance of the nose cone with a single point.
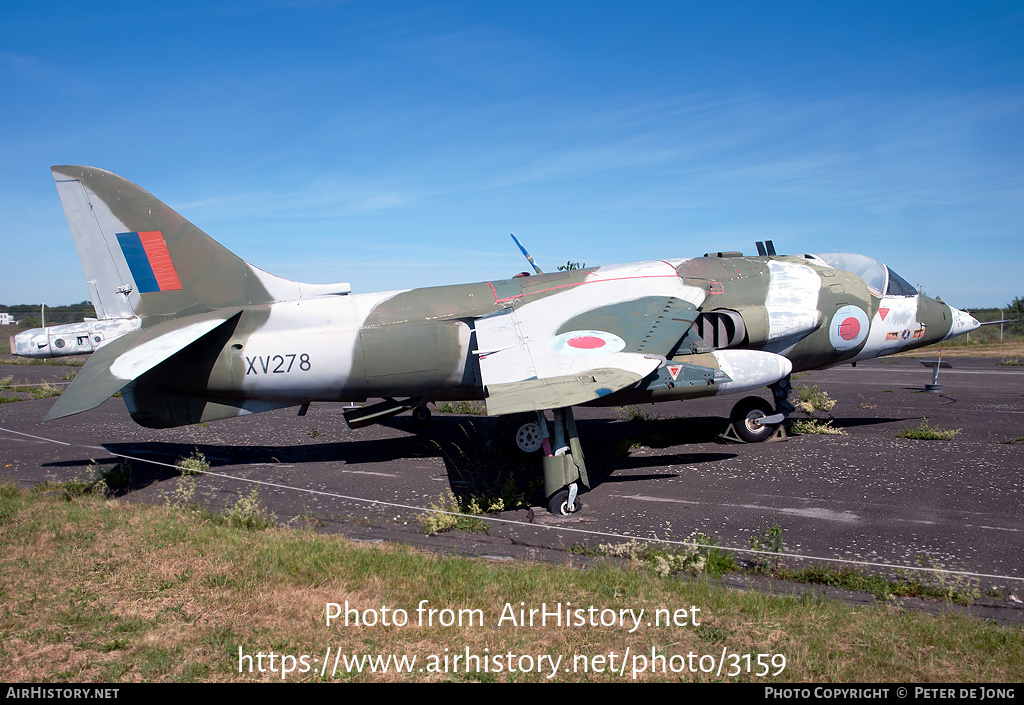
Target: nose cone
<point x="963" y="322"/>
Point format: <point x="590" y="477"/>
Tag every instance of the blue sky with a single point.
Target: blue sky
<point x="397" y="144"/>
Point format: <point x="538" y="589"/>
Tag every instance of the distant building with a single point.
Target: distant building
<point x="6" y="319"/>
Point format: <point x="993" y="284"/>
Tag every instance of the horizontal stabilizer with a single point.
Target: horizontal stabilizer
<point x="130" y="356"/>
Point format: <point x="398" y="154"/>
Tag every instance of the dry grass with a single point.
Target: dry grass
<point x="956" y="348"/>
<point x="95" y="590"/>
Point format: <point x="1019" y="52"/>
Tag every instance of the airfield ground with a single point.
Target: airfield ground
<point x="657" y="471"/>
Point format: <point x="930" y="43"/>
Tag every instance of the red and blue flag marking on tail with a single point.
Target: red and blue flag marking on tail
<point x="149" y="260"/>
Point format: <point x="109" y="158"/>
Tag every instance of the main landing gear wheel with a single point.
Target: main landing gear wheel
<point x="421" y="414"/>
<point x="745" y="419"/>
<point x="558" y="503"/>
<point x="519" y="434"/>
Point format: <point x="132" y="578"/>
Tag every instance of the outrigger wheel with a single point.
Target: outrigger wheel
<point x="565" y="502"/>
<point x="746" y="419"/>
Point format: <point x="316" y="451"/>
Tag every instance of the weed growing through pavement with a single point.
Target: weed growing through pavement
<point x="45" y="391"/>
<point x="633" y="413"/>
<point x="108" y="480"/>
<point x="474" y="408"/>
<point x="769" y="538"/>
<point x="814" y="398"/>
<point x="867" y="403"/>
<point x="813" y="426"/>
<point x="697" y="554"/>
<point x="961" y="589"/>
<point x="435" y="522"/>
<point x="927" y="432"/>
<point x="195" y="464"/>
<point x="506" y="498"/>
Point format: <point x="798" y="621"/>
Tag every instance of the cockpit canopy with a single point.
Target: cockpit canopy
<point x="881" y="280"/>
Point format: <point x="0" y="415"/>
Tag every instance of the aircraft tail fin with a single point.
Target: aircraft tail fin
<point x="141" y="258"/>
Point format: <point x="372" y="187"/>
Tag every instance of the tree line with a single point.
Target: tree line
<point x="27" y="315"/>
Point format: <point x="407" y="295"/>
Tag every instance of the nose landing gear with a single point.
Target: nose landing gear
<point x="754" y="421"/>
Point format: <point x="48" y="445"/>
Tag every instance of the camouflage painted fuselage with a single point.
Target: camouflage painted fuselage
<point x="421" y="343"/>
<point x="189" y="332"/>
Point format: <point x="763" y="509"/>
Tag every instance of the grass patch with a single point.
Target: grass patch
<point x="1010" y="363"/>
<point x="1011" y="347"/>
<point x="768" y="538"/>
<point x="249" y="513"/>
<point x="813" y="426"/>
<point x="47" y="362"/>
<point x="813" y="398"/>
<point x="435" y="523"/>
<point x="927" y="432"/>
<point x="474" y="408"/>
<point x="35" y="391"/>
<point x="633" y="413"/>
<point x="10" y="502"/>
<point x="505" y="498"/>
<point x="954" y="589"/>
<point x="108" y="480"/>
<point x="666" y="559"/>
<point x="195" y="464"/>
<point x="100" y="590"/>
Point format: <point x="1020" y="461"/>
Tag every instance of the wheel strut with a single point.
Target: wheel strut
<point x="564" y="468"/>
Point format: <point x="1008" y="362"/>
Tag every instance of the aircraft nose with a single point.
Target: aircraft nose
<point x="963" y="322"/>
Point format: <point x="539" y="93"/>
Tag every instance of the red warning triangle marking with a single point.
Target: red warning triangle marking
<point x="883" y="312"/>
<point x="674" y="370"/>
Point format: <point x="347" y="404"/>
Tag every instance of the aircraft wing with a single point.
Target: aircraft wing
<point x="123" y="360"/>
<point x="592" y="340"/>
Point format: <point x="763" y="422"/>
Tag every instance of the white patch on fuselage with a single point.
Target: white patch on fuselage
<point x="324" y="329"/>
<point x="517" y="343"/>
<point x="895" y="331"/>
<point x="792" y="300"/>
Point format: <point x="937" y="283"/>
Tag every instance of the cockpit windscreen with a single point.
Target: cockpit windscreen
<point x="881" y="280"/>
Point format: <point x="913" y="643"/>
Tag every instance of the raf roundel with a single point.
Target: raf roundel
<point x="848" y="329"/>
<point x="588" y="342"/>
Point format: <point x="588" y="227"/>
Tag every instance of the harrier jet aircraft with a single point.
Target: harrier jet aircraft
<point x="189" y="332"/>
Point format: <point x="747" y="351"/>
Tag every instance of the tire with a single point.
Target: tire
<point x="744" y="416"/>
<point x="558" y="503"/>
<point x="421" y="414"/>
<point x="519" y="434"/>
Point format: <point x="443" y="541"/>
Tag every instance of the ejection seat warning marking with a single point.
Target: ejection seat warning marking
<point x="276" y="364"/>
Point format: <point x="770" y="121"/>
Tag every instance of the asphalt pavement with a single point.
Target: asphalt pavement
<point x="657" y="471"/>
